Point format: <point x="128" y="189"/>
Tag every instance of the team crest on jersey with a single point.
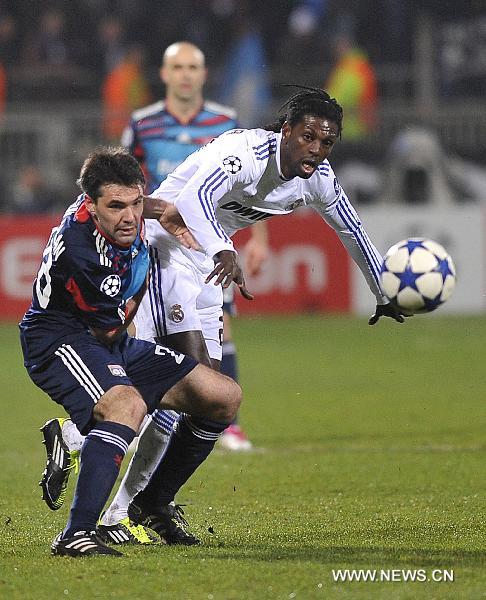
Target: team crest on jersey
<point x="337" y="187"/>
<point x="232" y="164"/>
<point x="111" y="285"/>
<point x="176" y="313"/>
<point x="295" y="204"/>
<point x="117" y="370"/>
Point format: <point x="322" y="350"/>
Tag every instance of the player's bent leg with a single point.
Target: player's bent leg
<point x="205" y="393"/>
<point x="152" y="441"/>
<point x="122" y="404"/>
<point x="105" y="404"/>
<point x="63" y="443"/>
<point x="115" y="525"/>
<point x="213" y="400"/>
<point x="117" y="415"/>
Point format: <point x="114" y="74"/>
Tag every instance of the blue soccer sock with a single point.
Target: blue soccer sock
<point x="190" y="444"/>
<point x="101" y="456"/>
<point x="229" y="361"/>
<point x="229" y="365"/>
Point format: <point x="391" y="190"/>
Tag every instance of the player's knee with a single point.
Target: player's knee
<point x="237" y="399"/>
<point x="121" y="404"/>
<point x="229" y="399"/>
<point x="136" y="410"/>
<point x="205" y="393"/>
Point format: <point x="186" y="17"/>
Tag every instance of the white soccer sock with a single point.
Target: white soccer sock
<point x="71" y="436"/>
<point x="152" y="442"/>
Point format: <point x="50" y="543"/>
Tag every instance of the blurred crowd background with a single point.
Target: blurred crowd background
<point x="409" y="73"/>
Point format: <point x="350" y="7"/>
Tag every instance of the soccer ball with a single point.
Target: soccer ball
<point x="417" y="275"/>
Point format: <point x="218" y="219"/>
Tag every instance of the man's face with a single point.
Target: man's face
<point x="117" y="212"/>
<point x="184" y="73"/>
<point x="305" y="145"/>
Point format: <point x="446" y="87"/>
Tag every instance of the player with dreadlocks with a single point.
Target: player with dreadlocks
<point x="241" y="177"/>
<point x="307" y="101"/>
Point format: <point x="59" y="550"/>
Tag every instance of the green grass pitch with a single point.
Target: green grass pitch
<point x="370" y="454"/>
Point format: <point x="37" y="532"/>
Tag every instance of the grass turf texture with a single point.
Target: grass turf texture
<point x="369" y="454"/>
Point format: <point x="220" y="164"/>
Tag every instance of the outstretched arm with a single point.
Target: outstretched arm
<point x="342" y="217"/>
<point x="170" y="219"/>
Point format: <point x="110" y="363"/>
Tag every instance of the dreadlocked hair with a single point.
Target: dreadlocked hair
<point x="307" y="101"/>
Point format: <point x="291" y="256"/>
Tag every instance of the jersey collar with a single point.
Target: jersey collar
<point x="82" y="214"/>
<point x="179" y="121"/>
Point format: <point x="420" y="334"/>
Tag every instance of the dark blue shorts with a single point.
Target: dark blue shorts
<point x="82" y="369"/>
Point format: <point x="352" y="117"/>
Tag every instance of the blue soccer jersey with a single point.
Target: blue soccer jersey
<point x="160" y="142"/>
<point x="84" y="281"/>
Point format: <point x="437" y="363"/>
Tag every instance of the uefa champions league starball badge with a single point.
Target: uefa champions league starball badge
<point x="232" y="164"/>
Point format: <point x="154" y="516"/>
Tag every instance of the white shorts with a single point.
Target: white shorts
<point x="178" y="299"/>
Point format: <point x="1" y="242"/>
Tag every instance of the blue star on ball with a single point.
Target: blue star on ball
<point x="444" y="268"/>
<point x="408" y="278"/>
<point x="412" y="244"/>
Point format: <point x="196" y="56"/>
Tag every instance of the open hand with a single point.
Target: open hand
<point x="227" y="270"/>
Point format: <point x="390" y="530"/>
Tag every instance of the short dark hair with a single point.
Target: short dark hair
<point x="109" y="164"/>
<point x="308" y="101"/>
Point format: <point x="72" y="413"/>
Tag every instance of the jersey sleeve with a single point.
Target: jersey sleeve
<point x="197" y="185"/>
<point x="332" y="204"/>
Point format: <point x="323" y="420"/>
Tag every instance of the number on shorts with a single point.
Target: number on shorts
<point x="163" y="351"/>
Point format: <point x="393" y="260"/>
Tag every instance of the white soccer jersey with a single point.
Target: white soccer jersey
<point x="236" y="180"/>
